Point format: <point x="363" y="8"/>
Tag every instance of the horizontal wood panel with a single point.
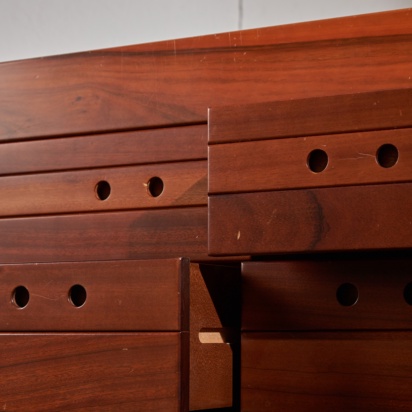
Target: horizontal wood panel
<point x="351" y="159"/>
<point x="312" y="116"/>
<point x="327" y="294"/>
<point x="138" y="187"/>
<point x="150" y="234"/>
<point x="293" y="221"/>
<point x="114" y="295"/>
<point x="103" y="150"/>
<point x="43" y="372"/>
<point x="174" y="82"/>
<point x="326" y="371"/>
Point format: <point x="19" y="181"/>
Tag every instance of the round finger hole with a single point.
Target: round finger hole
<point x="387" y="155"/>
<point x="103" y="190"/>
<point x="407" y="293"/>
<point x="317" y="160"/>
<point x="20" y="297"/>
<point x="155" y="186"/>
<point x="77" y="295"/>
<point x="347" y="294"/>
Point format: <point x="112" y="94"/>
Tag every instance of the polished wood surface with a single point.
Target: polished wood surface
<point x="312" y="116"/>
<point x="95" y="296"/>
<point x="337" y="371"/>
<point x="312" y="220"/>
<point x="104" y="150"/>
<point x="82" y="137"/>
<point x="145" y="234"/>
<point x="327" y="294"/>
<point x="174" y="82"/>
<point x="120" y="188"/>
<point x="101" y="371"/>
<point x="351" y="159"/>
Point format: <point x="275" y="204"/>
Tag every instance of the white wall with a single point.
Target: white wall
<point x="32" y="28"/>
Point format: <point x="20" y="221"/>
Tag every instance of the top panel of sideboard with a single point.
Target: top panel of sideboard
<point x="174" y="82"/>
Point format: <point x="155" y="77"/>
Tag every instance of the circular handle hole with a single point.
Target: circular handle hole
<point x="407" y="293"/>
<point x="387" y="155"/>
<point x="103" y="190"/>
<point x="317" y="160"/>
<point x="347" y="294"/>
<point x="20" y="297"/>
<point x="155" y="186"/>
<point x="77" y="295"/>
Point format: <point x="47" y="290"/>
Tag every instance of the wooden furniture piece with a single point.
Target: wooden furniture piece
<point x="317" y="174"/>
<point x="215" y="309"/>
<point x="321" y="334"/>
<point x="95" y="335"/>
<point x="174" y="82"/>
<point x="121" y="334"/>
<point x="104" y="160"/>
<point x="97" y="197"/>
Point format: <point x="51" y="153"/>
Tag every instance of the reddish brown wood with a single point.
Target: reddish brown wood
<point x="332" y="219"/>
<point x="103" y="150"/>
<point x="151" y="234"/>
<point x="135" y="371"/>
<point x="125" y="295"/>
<point x="326" y="371"/>
<point x="352" y="159"/>
<point x="184" y="184"/>
<point x="144" y="234"/>
<point x="312" y="116"/>
<point x="327" y="294"/>
<point x="214" y="338"/>
<point x="174" y="82"/>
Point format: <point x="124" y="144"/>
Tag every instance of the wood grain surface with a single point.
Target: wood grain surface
<point x="357" y="371"/>
<point x="104" y="150"/>
<point x="352" y="159"/>
<point x="215" y="311"/>
<point x="116" y="296"/>
<point x="146" y="234"/>
<point x="174" y="82"/>
<point x="329" y="219"/>
<point x="184" y="184"/>
<point x="312" y="116"/>
<point x="105" y="372"/>
<point x="327" y="294"/>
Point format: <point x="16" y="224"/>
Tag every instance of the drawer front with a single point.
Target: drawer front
<point x="322" y="294"/>
<point x="95" y="296"/>
<point x="358" y="371"/>
<point x="315" y="161"/>
<point x="327" y="219"/>
<point x="121" y="188"/>
<point x="105" y="372"/>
